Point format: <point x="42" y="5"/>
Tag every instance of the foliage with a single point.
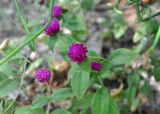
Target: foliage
<point x="86" y="89"/>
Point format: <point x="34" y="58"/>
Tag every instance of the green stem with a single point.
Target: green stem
<point x="156" y="40"/>
<point x="152" y="16"/>
<point x="98" y="58"/>
<point x="138" y="11"/>
<point x="20" y="85"/>
<point x="155" y="43"/>
<point x="32" y="37"/>
<point x="48" y="93"/>
<point x="22" y="17"/>
<point x="139" y="16"/>
<point x="116" y="8"/>
<point x="100" y="80"/>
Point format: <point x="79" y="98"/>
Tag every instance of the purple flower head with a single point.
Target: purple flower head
<point x="43" y="75"/>
<point x="77" y="52"/>
<point x="53" y="28"/>
<point x="96" y="66"/>
<point x="56" y="11"/>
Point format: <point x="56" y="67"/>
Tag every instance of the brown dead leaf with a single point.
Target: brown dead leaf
<point x="117" y="91"/>
<point x="61" y="66"/>
<point x="143" y="99"/>
<point x="4" y="44"/>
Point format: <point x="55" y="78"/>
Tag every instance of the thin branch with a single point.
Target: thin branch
<point x="139" y="16"/>
<point x="30" y="37"/>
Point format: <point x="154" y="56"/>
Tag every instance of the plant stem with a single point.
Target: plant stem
<point x="138" y="11"/>
<point x="20" y="14"/>
<point x="101" y="80"/>
<point x="155" y="42"/>
<point x="48" y="93"/>
<point x="31" y="37"/>
<point x="116" y="8"/>
<point x="152" y="16"/>
<point x="139" y="16"/>
<point x="22" y="17"/>
<point x="20" y="85"/>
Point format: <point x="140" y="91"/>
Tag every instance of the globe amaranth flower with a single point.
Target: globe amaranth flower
<point x="56" y="11"/>
<point x="96" y="66"/>
<point x="77" y="52"/>
<point x="43" y="75"/>
<point x="53" y="28"/>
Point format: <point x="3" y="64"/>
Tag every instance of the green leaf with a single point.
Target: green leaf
<point x="84" y="103"/>
<point x="40" y="101"/>
<point x="92" y="54"/>
<point x="150" y="26"/>
<point x="130" y="94"/>
<point x="75" y="23"/>
<point x="35" y="64"/>
<point x="137" y="37"/>
<point x="85" y="112"/>
<point x="122" y="56"/>
<point x="133" y="80"/>
<point x="106" y="69"/>
<point x="6" y="70"/>
<point x="85" y="65"/>
<point x="1" y="107"/>
<point x="52" y="41"/>
<point x="79" y="81"/>
<point x="147" y="90"/>
<point x="125" y="109"/>
<point x="61" y="111"/>
<point x="32" y="45"/>
<point x="102" y="103"/>
<point x="113" y="108"/>
<point x="28" y="110"/>
<point x="89" y="4"/>
<point x="134" y="105"/>
<point x="119" y="30"/>
<point x="61" y="94"/>
<point x="63" y="45"/>
<point x="7" y="86"/>
<point x="157" y="73"/>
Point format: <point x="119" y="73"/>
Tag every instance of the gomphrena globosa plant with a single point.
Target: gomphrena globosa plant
<point x="92" y="83"/>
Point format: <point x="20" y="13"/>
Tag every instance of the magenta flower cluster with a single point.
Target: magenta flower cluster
<point x="56" y="11"/>
<point x="54" y="26"/>
<point x="96" y="66"/>
<point x="78" y="53"/>
<point x="43" y="75"/>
